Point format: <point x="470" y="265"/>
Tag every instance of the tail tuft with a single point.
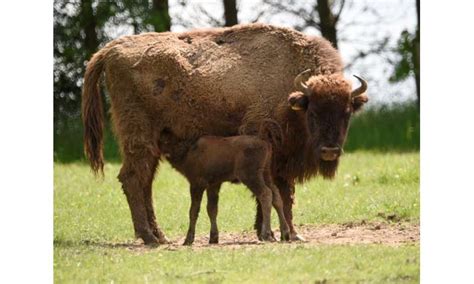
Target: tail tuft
<point x="93" y="113"/>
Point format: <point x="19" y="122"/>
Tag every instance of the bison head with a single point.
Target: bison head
<point x="328" y="102"/>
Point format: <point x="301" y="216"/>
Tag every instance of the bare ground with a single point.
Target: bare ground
<point x="391" y="234"/>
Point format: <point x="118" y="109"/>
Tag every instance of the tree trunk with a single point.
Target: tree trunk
<point x="416" y="52"/>
<point x="230" y="13"/>
<point x="160" y="18"/>
<point x="89" y="24"/>
<point x="327" y="21"/>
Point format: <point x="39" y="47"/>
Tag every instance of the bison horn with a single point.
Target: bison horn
<point x="362" y="89"/>
<point x="299" y="84"/>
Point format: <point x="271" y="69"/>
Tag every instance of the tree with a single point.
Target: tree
<point x="328" y="21"/>
<point x="416" y="52"/>
<point x="79" y="30"/>
<point x="323" y="15"/>
<point x="230" y="13"/>
<point x="159" y="17"/>
<point x="408" y="47"/>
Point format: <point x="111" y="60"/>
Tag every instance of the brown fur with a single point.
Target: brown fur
<point x="210" y="161"/>
<point x="208" y="82"/>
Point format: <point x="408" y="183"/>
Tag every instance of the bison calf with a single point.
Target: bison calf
<point x="212" y="160"/>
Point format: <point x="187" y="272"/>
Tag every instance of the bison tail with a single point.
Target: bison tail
<point x="93" y="112"/>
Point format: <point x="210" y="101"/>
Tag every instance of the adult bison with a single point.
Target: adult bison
<point x="220" y="82"/>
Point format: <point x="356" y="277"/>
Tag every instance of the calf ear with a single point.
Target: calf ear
<point x="298" y="101"/>
<point x="359" y="101"/>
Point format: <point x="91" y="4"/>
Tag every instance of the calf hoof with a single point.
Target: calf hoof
<point x="285" y="237"/>
<point x="213" y="239"/>
<point x="189" y="239"/>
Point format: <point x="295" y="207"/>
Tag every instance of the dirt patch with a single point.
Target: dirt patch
<point x="333" y="234"/>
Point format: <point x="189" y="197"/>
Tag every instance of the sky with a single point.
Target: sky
<point x="363" y="23"/>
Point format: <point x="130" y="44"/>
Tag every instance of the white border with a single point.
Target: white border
<point x="447" y="155"/>
<point x="26" y="118"/>
<point x="447" y="142"/>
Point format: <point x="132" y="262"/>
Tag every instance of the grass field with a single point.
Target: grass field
<point x="93" y="230"/>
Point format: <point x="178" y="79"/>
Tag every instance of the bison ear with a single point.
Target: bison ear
<point x="298" y="101"/>
<point x="359" y="101"/>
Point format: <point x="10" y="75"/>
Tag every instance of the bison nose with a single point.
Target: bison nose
<point x="330" y="153"/>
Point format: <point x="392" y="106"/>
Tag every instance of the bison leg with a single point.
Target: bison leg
<point x="196" y="198"/>
<point x="287" y="193"/>
<point x="278" y="205"/>
<point x="212" y="208"/>
<point x="148" y="192"/>
<point x="136" y="176"/>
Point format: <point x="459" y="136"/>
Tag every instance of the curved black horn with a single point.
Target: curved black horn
<point x="299" y="84"/>
<point x="362" y="89"/>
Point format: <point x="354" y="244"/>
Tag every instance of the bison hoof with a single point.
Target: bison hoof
<point x="188" y="242"/>
<point x="296" y="237"/>
<point x="268" y="237"/>
<point x="164" y="241"/>
<point x="260" y="236"/>
<point x="150" y="240"/>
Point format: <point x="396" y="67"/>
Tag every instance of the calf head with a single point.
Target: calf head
<point x="328" y="103"/>
<point x="167" y="142"/>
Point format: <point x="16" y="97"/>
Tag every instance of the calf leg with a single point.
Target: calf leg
<point x="258" y="218"/>
<point x="196" y="197"/>
<point x="212" y="205"/>
<point x="287" y="193"/>
<point x="264" y="197"/>
<point x="278" y="205"/>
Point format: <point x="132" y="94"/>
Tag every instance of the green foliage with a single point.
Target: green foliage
<point x="90" y="215"/>
<point x="395" y="128"/>
<point x="71" y="50"/>
<point x="405" y="66"/>
<point x="68" y="146"/>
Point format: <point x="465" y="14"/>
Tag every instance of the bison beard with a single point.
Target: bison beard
<point x="328" y="168"/>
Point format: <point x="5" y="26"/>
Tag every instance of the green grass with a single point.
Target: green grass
<point x="90" y="215"/>
<point x="268" y="264"/>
